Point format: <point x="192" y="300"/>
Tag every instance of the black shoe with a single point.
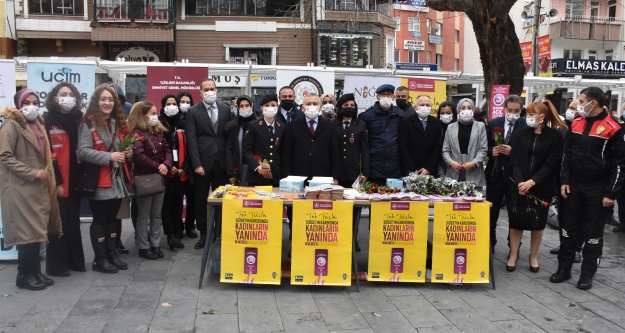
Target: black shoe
<point x="157" y="251"/>
<point x="29" y="281"/>
<point x="511" y="269"/>
<point x="180" y="235"/>
<point x="179" y="244"/>
<point x="585" y="282"/>
<point x="555" y="250"/>
<point x="114" y="259"/>
<point x="44" y="279"/>
<point x="172" y="241"/>
<point x="60" y="274"/>
<point x="611" y="221"/>
<point x="77" y="269"/>
<point x="103" y="265"/>
<point x="619" y="228"/>
<point x="357" y="247"/>
<point x="578" y="257"/>
<point x="191" y="234"/>
<point x="532" y="268"/>
<point x="121" y="248"/>
<point x="200" y="243"/>
<point x="147" y="254"/>
<point x="560" y="276"/>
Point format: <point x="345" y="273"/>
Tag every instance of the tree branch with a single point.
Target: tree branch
<point x="451" y="5"/>
<point x="501" y="8"/>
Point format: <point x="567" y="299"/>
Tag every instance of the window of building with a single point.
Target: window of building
<point x="439" y="29"/>
<point x="428" y="26"/>
<point x="255" y="56"/>
<point x="456" y="64"/>
<point x="575" y="9"/>
<point x="413" y="57"/>
<point x="594" y="10"/>
<point x="528" y="18"/>
<point x="612" y="13"/>
<point x="572" y="54"/>
<point x="397" y="57"/>
<point x="414" y="24"/>
<point x="142" y="9"/>
<point x="397" y="23"/>
<point x="439" y="60"/>
<point x="344" y="50"/>
<point x="390" y="48"/>
<point x="277" y="8"/>
<point x="56" y="7"/>
<point x="457" y="36"/>
<point x="350" y="4"/>
<point x="608" y="55"/>
<point x="428" y="57"/>
<point x="592" y="54"/>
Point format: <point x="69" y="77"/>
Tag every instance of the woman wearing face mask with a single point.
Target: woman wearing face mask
<point x="465" y="147"/>
<point x="264" y="139"/>
<point x="186" y="102"/>
<point x="235" y="130"/>
<point x="328" y="103"/>
<point x="151" y="154"/>
<point x="171" y="213"/>
<point x="30" y="212"/>
<point x="99" y="137"/>
<point x="62" y="120"/>
<point x="447" y="114"/>
<point x="535" y="161"/>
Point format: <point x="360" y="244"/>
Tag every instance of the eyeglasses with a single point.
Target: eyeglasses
<point x="386" y="94"/>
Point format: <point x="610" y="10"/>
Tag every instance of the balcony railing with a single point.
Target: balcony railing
<point x="593" y="28"/>
<point x="152" y="11"/>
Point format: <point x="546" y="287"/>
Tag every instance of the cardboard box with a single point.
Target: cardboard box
<point x="394" y="183"/>
<point x="316" y="181"/>
<point x="293" y="184"/>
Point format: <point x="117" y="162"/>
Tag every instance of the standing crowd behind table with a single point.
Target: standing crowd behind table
<point x="160" y="155"/>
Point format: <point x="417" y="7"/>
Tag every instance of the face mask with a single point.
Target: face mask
<point x="532" y="122"/>
<point x="386" y="102"/>
<point x="209" y="97"/>
<point x="402" y="103"/>
<point x="184" y="107"/>
<point x="327" y="108"/>
<point x="270" y="111"/>
<point x="570" y="115"/>
<point x="447" y="118"/>
<point x="349" y="112"/>
<point x="153" y="120"/>
<point x="67" y="103"/>
<point x="245" y="113"/>
<point x="171" y="110"/>
<point x="30" y="112"/>
<point x="512" y="117"/>
<point x="581" y="109"/>
<point x="423" y="111"/>
<point x="312" y="112"/>
<point x="287" y="104"/>
<point x="466" y="116"/>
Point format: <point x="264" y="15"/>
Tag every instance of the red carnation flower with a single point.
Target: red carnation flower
<point x="257" y="157"/>
<point x="496" y="129"/>
<point x="545" y="204"/>
<point x="125" y="131"/>
<point x="236" y="170"/>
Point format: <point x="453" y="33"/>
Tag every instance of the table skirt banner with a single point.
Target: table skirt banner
<point x="398" y="241"/>
<point x="322" y="243"/>
<point x="461" y="242"/>
<point x="251" y="241"/>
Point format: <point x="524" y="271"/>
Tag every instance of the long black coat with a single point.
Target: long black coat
<point x="204" y="144"/>
<point x="496" y="176"/>
<point x="311" y="155"/>
<point x="259" y="141"/>
<point x="353" y="150"/>
<point x="420" y="148"/>
<point x="234" y="148"/>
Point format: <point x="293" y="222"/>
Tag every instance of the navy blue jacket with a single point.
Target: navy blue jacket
<point x="503" y="160"/>
<point x="383" y="128"/>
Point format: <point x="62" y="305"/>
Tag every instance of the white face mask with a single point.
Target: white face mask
<point x="570" y="115"/>
<point x="386" y="102"/>
<point x="30" y="112"/>
<point x="246" y="113"/>
<point x="532" y="122"/>
<point x="581" y="109"/>
<point x="512" y="117"/>
<point x="209" y="96"/>
<point x="327" y="108"/>
<point x="447" y="118"/>
<point x="466" y="116"/>
<point x="67" y="103"/>
<point x="184" y="107"/>
<point x="423" y="111"/>
<point x="312" y="112"/>
<point x="171" y="110"/>
<point x="270" y="111"/>
<point x="153" y="120"/>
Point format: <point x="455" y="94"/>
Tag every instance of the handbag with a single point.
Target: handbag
<point x="149" y="184"/>
<point x="524" y="218"/>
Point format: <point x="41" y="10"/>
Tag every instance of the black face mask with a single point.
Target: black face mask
<point x="349" y="112"/>
<point x="287" y="104"/>
<point x="401" y="103"/>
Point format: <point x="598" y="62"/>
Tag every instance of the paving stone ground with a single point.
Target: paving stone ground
<point x="162" y="296"/>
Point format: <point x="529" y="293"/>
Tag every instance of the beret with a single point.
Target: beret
<point x="269" y="98"/>
<point x="385" y="87"/>
<point x="345" y="98"/>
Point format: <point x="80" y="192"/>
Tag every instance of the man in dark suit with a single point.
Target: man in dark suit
<point x="206" y="141"/>
<point x="289" y="110"/>
<point x="421" y="140"/>
<point x="498" y="176"/>
<point x="402" y="100"/>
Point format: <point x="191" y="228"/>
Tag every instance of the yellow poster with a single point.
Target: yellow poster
<point x="322" y="243"/>
<point x="461" y="242"/>
<point x="436" y="89"/>
<point x="251" y="241"/>
<point x="398" y="241"/>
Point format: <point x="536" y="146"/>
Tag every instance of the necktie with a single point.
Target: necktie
<point x="507" y="138"/>
<point x="270" y="129"/>
<point x="312" y="127"/>
<point x="211" y="109"/>
<point x="288" y="116"/>
<point x="346" y="123"/>
<point x="424" y="123"/>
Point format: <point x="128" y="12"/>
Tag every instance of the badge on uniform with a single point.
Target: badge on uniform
<point x="351" y="139"/>
<point x="600" y="129"/>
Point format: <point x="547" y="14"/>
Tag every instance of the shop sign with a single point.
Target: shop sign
<point x="414" y="45"/>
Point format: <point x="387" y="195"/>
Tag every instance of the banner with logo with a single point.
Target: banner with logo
<point x="43" y="76"/>
<point x="544" y="56"/>
<point x="460" y="248"/>
<point x="363" y="88"/>
<point x="526" y="53"/>
<point x="306" y="82"/>
<point x="322" y="243"/>
<point x="7" y="83"/>
<point x="436" y="89"/>
<point x="251" y="241"/>
<point x="163" y="80"/>
<point x="498" y="96"/>
<point x="398" y="241"/>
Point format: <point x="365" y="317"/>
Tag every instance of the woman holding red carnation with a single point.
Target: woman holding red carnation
<point x="535" y="161"/>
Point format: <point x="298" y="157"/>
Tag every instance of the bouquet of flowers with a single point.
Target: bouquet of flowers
<point x="127" y="141"/>
<point x="428" y="185"/>
<point x="498" y="137"/>
<point x="370" y="188"/>
<point x="236" y="176"/>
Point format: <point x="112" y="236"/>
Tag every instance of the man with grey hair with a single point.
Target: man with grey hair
<point x="498" y="172"/>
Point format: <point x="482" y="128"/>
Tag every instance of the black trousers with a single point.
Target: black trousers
<point x="105" y="211"/>
<point x="496" y="190"/>
<point x="215" y="177"/>
<point x="620" y="199"/>
<point x="66" y="252"/>
<point x="584" y="213"/>
<point x="28" y="258"/>
<point x="171" y="212"/>
<point x="189" y="192"/>
<point x="561" y="204"/>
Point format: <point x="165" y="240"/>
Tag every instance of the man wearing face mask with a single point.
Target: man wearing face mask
<point x="498" y="173"/>
<point x="289" y="110"/>
<point x="206" y="142"/>
<point x="592" y="175"/>
<point x="382" y="121"/>
<point x="421" y="140"/>
<point x="402" y="100"/>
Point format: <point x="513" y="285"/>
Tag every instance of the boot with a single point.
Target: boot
<point x="111" y="247"/>
<point x="200" y="243"/>
<point x="29" y="281"/>
<point x="172" y="241"/>
<point x="100" y="263"/>
<point x="44" y="279"/>
<point x="156" y="250"/>
<point x="120" y="246"/>
<point x="147" y="254"/>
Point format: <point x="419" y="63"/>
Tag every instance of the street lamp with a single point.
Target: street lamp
<point x="552" y="13"/>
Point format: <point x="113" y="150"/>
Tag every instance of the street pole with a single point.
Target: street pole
<point x="537" y="6"/>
